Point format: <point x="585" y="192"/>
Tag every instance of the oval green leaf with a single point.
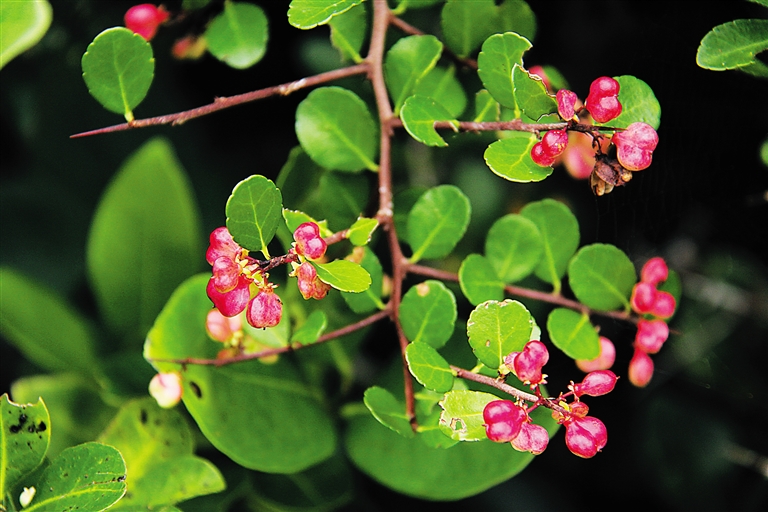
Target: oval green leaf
<point x="479" y="281"/>
<point x="437" y="222"/>
<point x="510" y="158"/>
<point x="348" y="32"/>
<point x="497" y="328"/>
<point x="388" y="410"/>
<point x="467" y="24"/>
<point x="559" y="231"/>
<point x="429" y="367"/>
<point x="441" y="85"/>
<point x="486" y="108"/>
<point x="638" y="102"/>
<point x="733" y="45"/>
<point x="462" y="415"/>
<point x="118" y="68"/>
<point x="602" y="276"/>
<point x="254" y="211"/>
<point x="370" y="299"/>
<point x="419" y="114"/>
<point x="312" y="328"/>
<point x="573" y="333"/>
<point x="22" y="26"/>
<point x="306" y="14"/>
<point x="406" y="63"/>
<point x="238" y="35"/>
<point x="335" y="128"/>
<point x="360" y="232"/>
<point x="428" y="313"/>
<point x="531" y="94"/>
<point x="25" y="433"/>
<point x="499" y="54"/>
<point x="514" y="247"/>
<point x="343" y="275"/>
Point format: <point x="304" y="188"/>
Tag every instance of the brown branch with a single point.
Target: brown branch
<point x="231" y="101"/>
<point x="365" y="322"/>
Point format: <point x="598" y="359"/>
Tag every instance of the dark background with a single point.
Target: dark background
<point x="702" y="205"/>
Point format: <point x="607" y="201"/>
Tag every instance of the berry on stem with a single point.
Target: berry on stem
<point x="640" y="368"/>
<point x="527" y="365"/>
<point x="144" y="19"/>
<point x="585" y="436"/>
<point x="597" y="383"/>
<point x="603" y="100"/>
<point x="540" y="156"/>
<point x="309" y="243"/>
<point x="233" y="302"/>
<point x="566" y="104"/>
<point x="532" y="438"/>
<point x="635" y="145"/>
<point x="651" y="335"/>
<point x="602" y="362"/>
<point x="654" y="271"/>
<point x="503" y="420"/>
<point x="264" y="310"/>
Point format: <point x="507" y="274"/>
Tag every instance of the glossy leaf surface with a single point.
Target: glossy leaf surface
<point x="602" y="276"/>
<point x="437" y="222"/>
<point x="343" y="275"/>
<point x="733" y="45"/>
<point x="462" y="414"/>
<point x="573" y="333"/>
<point x="639" y="103"/>
<point x="510" y="158"/>
<point x="360" y="232"/>
<point x="370" y="299"/>
<point x="22" y="25"/>
<point x="428" y="313"/>
<point x="479" y="281"/>
<point x="306" y="14"/>
<point x="25" y="433"/>
<point x="497" y="328"/>
<point x="495" y="62"/>
<point x="312" y="328"/>
<point x="531" y="94"/>
<point x="238" y="35"/>
<point x="441" y="85"/>
<point x="335" y="128"/>
<point x="387" y="410"/>
<point x="348" y="31"/>
<point x="254" y="211"/>
<point x="429" y="367"/>
<point x="419" y="114"/>
<point x="514" y="247"/>
<point x="118" y="69"/>
<point x="406" y="63"/>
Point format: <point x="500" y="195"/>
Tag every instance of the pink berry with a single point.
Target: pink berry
<point x="166" y="389"/>
<point x="144" y="19"/>
<point x="596" y="383"/>
<point x="654" y="271"/>
<point x="651" y="335"/>
<point x="220" y="327"/>
<point x="233" y="302"/>
<point x="643" y="297"/>
<point x="602" y="362"/>
<point x="532" y="438"/>
<point x="310" y="286"/>
<point x="635" y="145"/>
<point x="309" y="243"/>
<point x="566" y="104"/>
<point x="225" y="274"/>
<point x="540" y="157"/>
<point x="221" y="244"/>
<point x="585" y="436"/>
<point x="640" y="368"/>
<point x="603" y="100"/>
<point x="554" y="142"/>
<point x="503" y="420"/>
<point x="578" y="409"/>
<point x="527" y="364"/>
<point x="264" y="310"/>
<point x="664" y="305"/>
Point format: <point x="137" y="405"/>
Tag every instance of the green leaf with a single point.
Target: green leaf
<point x="638" y="102"/>
<point x="89" y="476"/>
<point x="118" y="69"/>
<point x="441" y="85"/>
<point x="22" y="26"/>
<point x="298" y="178"/>
<point x="360" y="232"/>
<point x="573" y="333"/>
<point x="514" y="247"/>
<point x="602" y="276"/>
<point x="348" y="32"/>
<point x="462" y="415"/>
<point x="293" y="219"/>
<point x="467" y="24"/>
<point x="497" y="328"/>
<point x="419" y="114"/>
<point x="343" y="275"/>
<point x="248" y="411"/>
<point x="157" y="447"/>
<point x="486" y="107"/>
<point x="387" y="410"/>
<point x="495" y="62"/>
<point x="560" y="235"/>
<point x="430" y="368"/>
<point x="312" y="328"/>
<point x="306" y="14"/>
<point x="733" y="45"/>
<point x="428" y="313"/>
<point x="44" y="326"/>
<point x="510" y="158"/>
<point x="531" y="94"/>
<point x="479" y="281"/>
<point x="254" y="210"/>
<point x="25" y="433"/>
<point x="437" y="222"/>
<point x="238" y="35"/>
<point x="406" y="63"/>
<point x="517" y="16"/>
<point x="144" y="239"/>
<point x="370" y="299"/>
<point x="335" y="128"/>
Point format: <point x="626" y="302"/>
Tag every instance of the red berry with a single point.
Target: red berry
<point x="664" y="305"/>
<point x="233" y="302"/>
<point x="225" y="274"/>
<point x="603" y="100"/>
<point x="221" y="244"/>
<point x="554" y="142"/>
<point x="578" y="409"/>
<point x="643" y="297"/>
<point x="503" y="420"/>
<point x="566" y="104"/>
<point x="654" y="271"/>
<point x="310" y="286"/>
<point x="540" y="157"/>
<point x="585" y="436"/>
<point x="144" y="19"/>
<point x="264" y="310"/>
<point x="640" y="368"/>
<point x="309" y="243"/>
<point x="602" y="362"/>
<point x="651" y="335"/>
<point x="635" y="145"/>
<point x="532" y="438"/>
<point x="221" y="328"/>
<point x="596" y="383"/>
<point x="527" y="364"/>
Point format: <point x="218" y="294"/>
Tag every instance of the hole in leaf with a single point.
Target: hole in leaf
<point x="196" y="389"/>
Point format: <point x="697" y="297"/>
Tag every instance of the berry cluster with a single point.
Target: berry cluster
<point x="309" y="245"/>
<point x="652" y="331"/>
<point x="145" y="19"/>
<point x="635" y="145"/>
<point x="551" y="146"/>
<point x="509" y="422"/>
<point x="603" y="99"/>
